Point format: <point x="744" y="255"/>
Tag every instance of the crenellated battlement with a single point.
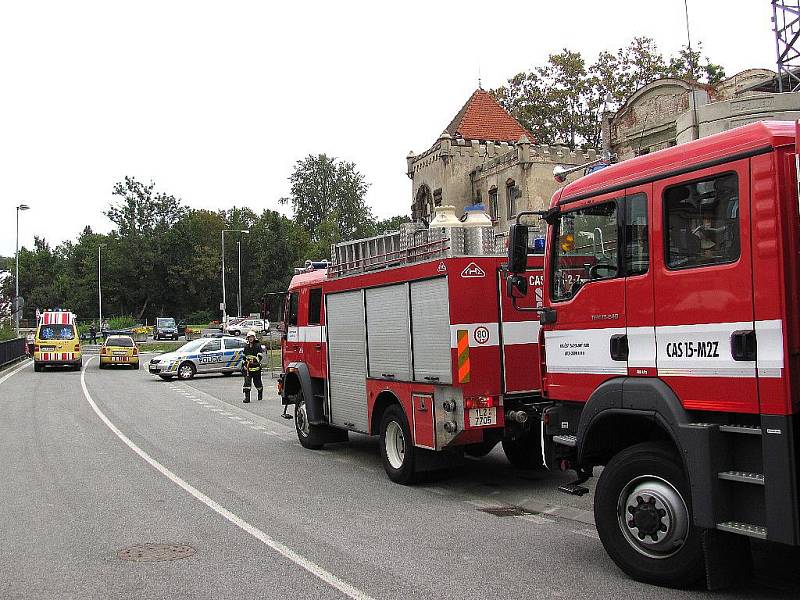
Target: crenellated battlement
<point x="496" y="154"/>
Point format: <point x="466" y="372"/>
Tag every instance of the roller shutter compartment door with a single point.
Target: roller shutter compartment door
<point x="388" y="332"/>
<point x="430" y="326"/>
<point x="347" y="359"/>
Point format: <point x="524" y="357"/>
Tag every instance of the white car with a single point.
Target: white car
<point x="205" y="355"/>
<point x="242" y="327"/>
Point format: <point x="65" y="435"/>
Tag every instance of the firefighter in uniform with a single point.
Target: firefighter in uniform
<point x="253" y="354"/>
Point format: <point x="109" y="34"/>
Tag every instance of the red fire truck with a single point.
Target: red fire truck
<point x="417" y="344"/>
<point x="671" y="334"/>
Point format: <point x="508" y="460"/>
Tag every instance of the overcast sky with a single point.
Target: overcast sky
<point x="216" y="101"/>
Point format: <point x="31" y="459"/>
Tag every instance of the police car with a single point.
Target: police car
<point x="206" y="355"/>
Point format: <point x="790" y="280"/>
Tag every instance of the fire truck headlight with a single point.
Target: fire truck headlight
<point x="450" y="427"/>
<point x="449" y="405"/>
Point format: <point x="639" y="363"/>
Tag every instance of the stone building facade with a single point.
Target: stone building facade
<point x="485" y="156"/>
<point x="667" y="112"/>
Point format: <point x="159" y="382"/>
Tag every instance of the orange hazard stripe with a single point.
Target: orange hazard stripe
<point x="462" y="335"/>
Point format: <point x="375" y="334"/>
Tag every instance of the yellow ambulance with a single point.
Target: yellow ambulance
<point x="57" y="342"/>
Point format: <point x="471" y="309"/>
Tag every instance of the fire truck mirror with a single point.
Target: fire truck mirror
<point x="516" y="286"/>
<point x="518" y="248"/>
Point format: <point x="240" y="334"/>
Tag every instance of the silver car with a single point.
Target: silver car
<point x="206" y="355"/>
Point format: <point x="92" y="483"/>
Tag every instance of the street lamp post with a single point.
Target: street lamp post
<point x="224" y="300"/>
<point x="16" y="275"/>
<point x="99" y="292"/>
<point x="239" y="296"/>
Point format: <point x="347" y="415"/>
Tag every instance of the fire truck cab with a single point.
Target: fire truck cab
<point x="671" y="346"/>
<point x="404" y="337"/>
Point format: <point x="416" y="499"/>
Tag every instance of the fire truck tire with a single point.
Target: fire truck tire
<point x="37" y="367"/>
<point x="643" y="513"/>
<point x="307" y="433"/>
<point x="397" y="447"/>
<point x="524" y="452"/>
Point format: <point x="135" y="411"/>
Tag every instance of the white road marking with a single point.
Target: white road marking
<point x="15" y="370"/>
<point x="300" y="560"/>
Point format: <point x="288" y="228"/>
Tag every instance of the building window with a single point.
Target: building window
<point x="493" y="203"/>
<point x="423" y="204"/>
<point x="512" y="194"/>
<point x="437" y="197"/>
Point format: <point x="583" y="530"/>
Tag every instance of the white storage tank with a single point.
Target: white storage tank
<point x="478" y="231"/>
<point x="445" y="225"/>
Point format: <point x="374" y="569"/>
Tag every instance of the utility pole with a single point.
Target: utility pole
<point x="99" y="292"/>
<point x="239" y="299"/>
<point x="16" y="275"/>
<point x="224" y="304"/>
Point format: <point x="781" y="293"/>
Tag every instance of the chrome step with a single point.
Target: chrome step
<point x="756" y="531"/>
<point x="748" y="429"/>
<point x="742" y="476"/>
<point x="566" y="440"/>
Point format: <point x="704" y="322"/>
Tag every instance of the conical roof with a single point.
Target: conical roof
<point x="482" y="118"/>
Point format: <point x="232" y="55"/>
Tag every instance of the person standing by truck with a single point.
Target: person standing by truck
<point x="253" y="354"/>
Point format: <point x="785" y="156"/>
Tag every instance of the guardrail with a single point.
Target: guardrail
<point x="11" y="350"/>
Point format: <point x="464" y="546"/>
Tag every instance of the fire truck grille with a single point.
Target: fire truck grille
<point x="155" y="552"/>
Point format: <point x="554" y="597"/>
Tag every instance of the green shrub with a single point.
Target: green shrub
<point x="7" y="332"/>
<point x="200" y="316"/>
<point x="123" y="322"/>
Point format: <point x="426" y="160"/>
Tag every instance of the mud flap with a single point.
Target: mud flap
<point x="727" y="557"/>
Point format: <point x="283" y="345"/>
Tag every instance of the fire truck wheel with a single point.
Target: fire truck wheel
<point x="307" y="433"/>
<point x="643" y="513"/>
<point x="524" y="452"/>
<point x="397" y="449"/>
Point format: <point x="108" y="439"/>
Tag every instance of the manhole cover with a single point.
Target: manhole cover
<point x="506" y="511"/>
<point x="155" y="552"/>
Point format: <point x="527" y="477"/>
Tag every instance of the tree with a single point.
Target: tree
<point x="144" y="218"/>
<point x="391" y="224"/>
<point x="327" y="199"/>
<point x="563" y="100"/>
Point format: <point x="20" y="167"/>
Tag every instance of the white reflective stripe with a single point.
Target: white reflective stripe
<point x="583" y="351"/>
<point x="701" y="350"/>
<point x="695" y="372"/>
<point x="769" y="342"/>
<point x="520" y="332"/>
<point x="492" y="329"/>
<point x="642" y="347"/>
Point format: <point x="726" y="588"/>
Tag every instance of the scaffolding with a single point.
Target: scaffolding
<point x="786" y="22"/>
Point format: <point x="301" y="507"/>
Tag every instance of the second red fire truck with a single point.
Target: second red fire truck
<point x="416" y="345"/>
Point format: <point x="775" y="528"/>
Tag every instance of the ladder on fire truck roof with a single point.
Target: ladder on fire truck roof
<point x="391" y="249"/>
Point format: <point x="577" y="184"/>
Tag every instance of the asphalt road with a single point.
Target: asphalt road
<point x="96" y="462"/>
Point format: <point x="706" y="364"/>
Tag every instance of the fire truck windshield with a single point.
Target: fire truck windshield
<point x="585" y="248"/>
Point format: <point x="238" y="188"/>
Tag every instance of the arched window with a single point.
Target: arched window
<point x="512" y="194"/>
<point x="493" y="203"/>
<point x="423" y="204"/>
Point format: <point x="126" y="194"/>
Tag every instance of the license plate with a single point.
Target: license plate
<point x="120" y="353"/>
<point x="48" y="348"/>
<point x="479" y="417"/>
